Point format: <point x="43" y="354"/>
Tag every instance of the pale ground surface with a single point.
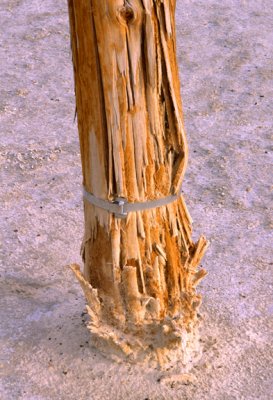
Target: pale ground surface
<point x="224" y="50"/>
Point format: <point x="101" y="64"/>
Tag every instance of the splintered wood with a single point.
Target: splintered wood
<point x="140" y="273"/>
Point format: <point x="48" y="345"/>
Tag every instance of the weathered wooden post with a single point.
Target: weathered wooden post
<point x="140" y="264"/>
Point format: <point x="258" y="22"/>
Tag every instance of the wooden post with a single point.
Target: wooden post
<point x="140" y="272"/>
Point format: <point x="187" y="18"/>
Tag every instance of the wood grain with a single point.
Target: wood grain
<point x="143" y="269"/>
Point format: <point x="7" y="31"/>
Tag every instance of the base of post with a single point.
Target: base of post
<point x="153" y="343"/>
<point x="122" y="347"/>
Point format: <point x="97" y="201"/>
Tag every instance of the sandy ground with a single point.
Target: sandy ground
<point x="224" y="50"/>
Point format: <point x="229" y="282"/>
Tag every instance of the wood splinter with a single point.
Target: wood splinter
<point x="140" y="272"/>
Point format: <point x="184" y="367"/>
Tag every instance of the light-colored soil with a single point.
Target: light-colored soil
<point x="224" y="51"/>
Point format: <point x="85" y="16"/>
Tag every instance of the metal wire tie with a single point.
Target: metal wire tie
<point x="121" y="207"/>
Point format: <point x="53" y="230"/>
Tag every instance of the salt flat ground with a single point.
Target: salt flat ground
<point x="224" y="51"/>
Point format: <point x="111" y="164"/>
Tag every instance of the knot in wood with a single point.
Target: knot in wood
<point x="127" y="13"/>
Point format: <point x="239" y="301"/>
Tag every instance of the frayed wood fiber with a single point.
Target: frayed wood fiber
<point x="140" y="273"/>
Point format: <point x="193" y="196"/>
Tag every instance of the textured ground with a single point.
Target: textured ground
<point x="224" y="51"/>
